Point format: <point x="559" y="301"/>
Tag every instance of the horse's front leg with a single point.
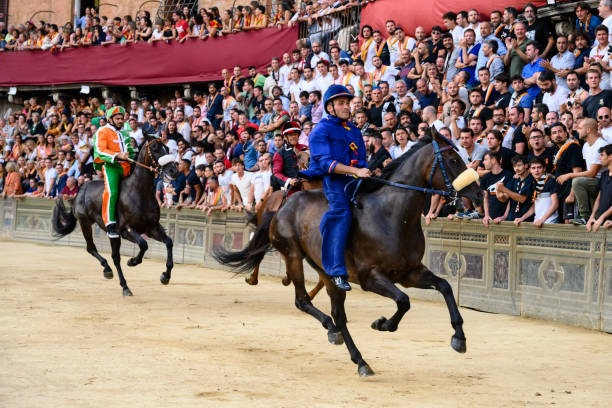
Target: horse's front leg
<point x="158" y="234"/>
<point x="134" y="237"/>
<point x="378" y="283"/>
<point x="116" y="255"/>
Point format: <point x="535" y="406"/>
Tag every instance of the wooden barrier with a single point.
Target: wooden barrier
<point x="559" y="272"/>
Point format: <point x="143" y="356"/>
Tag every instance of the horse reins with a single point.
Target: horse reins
<point x="144" y="165"/>
<point x="451" y="192"/>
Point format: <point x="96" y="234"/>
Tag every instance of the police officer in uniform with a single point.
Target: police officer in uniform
<point x="338" y="154"/>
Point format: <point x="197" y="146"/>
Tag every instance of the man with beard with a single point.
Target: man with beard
<point x="553" y="95"/>
<point x="448" y="96"/>
<point x="451" y="57"/>
<point x="495" y="210"/>
<point x="516" y="117"/>
<point x="576" y="94"/>
<point x="539" y="30"/>
<point x="399" y="44"/>
<point x="378" y="153"/>
<point x="568" y="159"/>
<point x="604" y="123"/>
<point x="519" y="191"/>
<point x="478" y="109"/>
<point x="487" y="35"/>
<point x="494" y="144"/>
<point x="383" y="72"/>
<point x="506" y="30"/>
<point x="502" y="126"/>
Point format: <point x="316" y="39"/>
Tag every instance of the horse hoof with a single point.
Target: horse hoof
<point x="378" y="323"/>
<point x="127" y="292"/>
<point x="335" y="338"/>
<point x="365" y="371"/>
<point x="286" y="281"/>
<point x="108" y="273"/>
<point x="251" y="280"/>
<point x="164" y="279"/>
<point x="458" y="344"/>
<point x="132" y="262"/>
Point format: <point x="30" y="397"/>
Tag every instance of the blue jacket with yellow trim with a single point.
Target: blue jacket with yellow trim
<point x="334" y="141"/>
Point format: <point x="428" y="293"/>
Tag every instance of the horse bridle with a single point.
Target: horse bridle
<point x="451" y="192"/>
<point x="159" y="164"/>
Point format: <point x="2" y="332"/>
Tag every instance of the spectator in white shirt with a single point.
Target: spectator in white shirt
<point x="284" y="72"/>
<point x="324" y="79"/>
<point x="136" y="132"/>
<point x="554" y="96"/>
<point x="317" y="55"/>
<point x="240" y="186"/>
<point x="604" y="123"/>
<point x="309" y="83"/>
<point x="260" y="182"/>
<point x="182" y="125"/>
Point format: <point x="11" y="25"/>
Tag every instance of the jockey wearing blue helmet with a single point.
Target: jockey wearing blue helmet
<point x="338" y="154"/>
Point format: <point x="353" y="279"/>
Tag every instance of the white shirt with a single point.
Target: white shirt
<point x="564" y="61"/>
<point x="172" y="146"/>
<point x="554" y="101"/>
<point x="606" y="133"/>
<point x="602" y="55"/>
<point x="310" y="86"/>
<point x="184" y="128"/>
<point x="296" y="89"/>
<point x="137" y="136"/>
<point x="457" y="33"/>
<point x="396" y="150"/>
<point x="139" y="113"/>
<point x="261" y="182"/>
<point x="477" y="153"/>
<point x="283" y="77"/>
<point x="608" y="23"/>
<point x="591" y="154"/>
<point x="316" y="58"/>
<point x="508" y="137"/>
<point x="201" y="159"/>
<point x="50" y="175"/>
<point x="437" y="124"/>
<point x="325" y="82"/>
<point x="243" y="184"/>
<point x="225" y="180"/>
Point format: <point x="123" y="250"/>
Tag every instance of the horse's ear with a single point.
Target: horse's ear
<point x="147" y="136"/>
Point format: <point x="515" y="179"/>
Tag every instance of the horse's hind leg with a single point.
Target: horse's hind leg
<point x="252" y="279"/>
<point x="91" y="248"/>
<point x="313" y="292"/>
<point x="381" y="285"/>
<point x="427" y="280"/>
<point x="160" y="235"/>
<point x="116" y="247"/>
<point x="295" y="271"/>
<point x="134" y="237"/>
<point x="337" y="310"/>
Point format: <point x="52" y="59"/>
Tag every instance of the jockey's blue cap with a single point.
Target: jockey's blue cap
<point x="336" y="91"/>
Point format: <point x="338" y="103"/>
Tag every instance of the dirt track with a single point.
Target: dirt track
<point x="69" y="339"/>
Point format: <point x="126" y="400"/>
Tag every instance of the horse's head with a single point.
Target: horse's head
<point x="155" y="154"/>
<point x="303" y="157"/>
<point x="446" y="171"/>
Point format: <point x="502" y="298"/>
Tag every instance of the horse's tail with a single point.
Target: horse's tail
<point x="251" y="256"/>
<point x="63" y="220"/>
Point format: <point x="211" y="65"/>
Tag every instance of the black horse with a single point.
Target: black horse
<point x="385" y="245"/>
<point x="137" y="211"/>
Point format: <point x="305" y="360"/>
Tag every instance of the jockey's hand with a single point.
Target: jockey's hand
<point x="363" y="172"/>
<point x="123" y="156"/>
<point x="293" y="182"/>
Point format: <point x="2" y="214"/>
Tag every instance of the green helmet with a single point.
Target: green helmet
<point x="115" y="110"/>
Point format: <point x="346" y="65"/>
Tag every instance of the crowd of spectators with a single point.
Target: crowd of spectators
<point x="185" y="23"/>
<point x="529" y="109"/>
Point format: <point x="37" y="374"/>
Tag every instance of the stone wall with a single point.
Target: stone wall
<point x="559" y="273"/>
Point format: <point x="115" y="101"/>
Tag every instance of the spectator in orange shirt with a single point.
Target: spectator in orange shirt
<point x="12" y="183"/>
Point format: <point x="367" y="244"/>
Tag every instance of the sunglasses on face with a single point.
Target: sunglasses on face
<point x="604" y="117"/>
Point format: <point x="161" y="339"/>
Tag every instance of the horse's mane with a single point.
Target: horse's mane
<point x="368" y="186"/>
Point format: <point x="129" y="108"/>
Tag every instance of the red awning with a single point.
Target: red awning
<point x="144" y="64"/>
<point x="411" y="14"/>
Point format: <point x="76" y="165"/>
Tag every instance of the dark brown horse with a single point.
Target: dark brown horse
<point x="137" y="211"/>
<point x="385" y="245"/>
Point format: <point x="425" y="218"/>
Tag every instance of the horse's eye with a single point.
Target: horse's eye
<point x="453" y="161"/>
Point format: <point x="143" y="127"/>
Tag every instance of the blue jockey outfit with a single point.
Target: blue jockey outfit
<point x="331" y="142"/>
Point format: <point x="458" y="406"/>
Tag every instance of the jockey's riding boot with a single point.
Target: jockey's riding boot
<point x="341" y="283"/>
<point x="111" y="230"/>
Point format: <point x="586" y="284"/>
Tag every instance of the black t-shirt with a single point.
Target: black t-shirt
<point x="548" y="155"/>
<point x="525" y="188"/>
<point x="518" y="137"/>
<point x="377" y="159"/>
<point x="605" y="194"/>
<point x="591" y="105"/>
<point x="193" y="181"/>
<point x="484" y="114"/>
<point x="503" y="101"/>
<point x="505" y="159"/>
<point x="487" y="183"/>
<point x="540" y="31"/>
<point x="375" y="114"/>
<point x="570" y="158"/>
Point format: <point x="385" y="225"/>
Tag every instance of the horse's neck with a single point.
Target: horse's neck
<point x="141" y="180"/>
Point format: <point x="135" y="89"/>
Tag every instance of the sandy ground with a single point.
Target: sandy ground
<point x="69" y="339"/>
